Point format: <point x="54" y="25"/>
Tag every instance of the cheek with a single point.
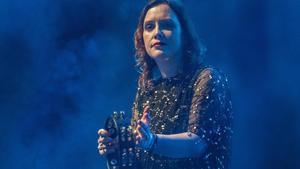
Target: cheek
<point x="146" y="40"/>
<point x="174" y="38"/>
<point x="168" y="34"/>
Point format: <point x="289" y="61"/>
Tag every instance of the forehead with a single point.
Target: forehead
<point x="159" y="12"/>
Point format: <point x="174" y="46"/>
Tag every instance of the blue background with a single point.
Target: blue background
<point x="66" y="65"/>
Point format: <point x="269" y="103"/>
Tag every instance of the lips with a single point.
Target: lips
<point x="156" y="44"/>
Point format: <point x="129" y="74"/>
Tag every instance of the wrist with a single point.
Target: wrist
<point x="153" y="144"/>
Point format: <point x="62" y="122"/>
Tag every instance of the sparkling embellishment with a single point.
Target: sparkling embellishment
<point x="200" y="106"/>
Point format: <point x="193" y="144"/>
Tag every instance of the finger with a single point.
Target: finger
<point x="102" y="152"/>
<point x="105" y="140"/>
<point x="103" y="132"/>
<point x="145" y="111"/>
<point x="109" y="146"/>
<point x="106" y="151"/>
<point x="101" y="146"/>
<point x="134" y="132"/>
<point x="102" y="149"/>
<point x="138" y="133"/>
<point x="146" y="118"/>
<point x="145" y="127"/>
<point x="143" y="133"/>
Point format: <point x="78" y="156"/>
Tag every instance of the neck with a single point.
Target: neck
<point x="168" y="67"/>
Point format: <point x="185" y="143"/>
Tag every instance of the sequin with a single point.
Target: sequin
<point x="198" y="103"/>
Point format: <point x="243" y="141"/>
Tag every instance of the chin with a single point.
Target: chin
<point x="158" y="54"/>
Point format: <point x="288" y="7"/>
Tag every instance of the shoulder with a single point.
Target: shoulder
<point x="208" y="76"/>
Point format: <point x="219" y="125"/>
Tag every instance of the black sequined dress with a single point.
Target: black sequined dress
<point x="197" y="102"/>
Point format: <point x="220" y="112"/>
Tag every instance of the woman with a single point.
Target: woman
<point x="182" y="111"/>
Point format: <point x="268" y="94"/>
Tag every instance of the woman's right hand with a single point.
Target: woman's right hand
<point x="106" y="144"/>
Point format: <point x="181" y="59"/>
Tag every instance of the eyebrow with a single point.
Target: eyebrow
<point x="167" y="20"/>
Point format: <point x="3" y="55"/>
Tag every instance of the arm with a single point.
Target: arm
<point x="211" y="117"/>
<point x="209" y="124"/>
<point x="179" y="145"/>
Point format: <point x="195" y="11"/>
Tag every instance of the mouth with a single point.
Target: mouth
<point x="158" y="44"/>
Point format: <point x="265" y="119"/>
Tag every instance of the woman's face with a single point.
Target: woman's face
<point x="162" y="33"/>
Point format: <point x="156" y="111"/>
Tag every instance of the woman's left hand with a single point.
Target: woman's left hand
<point x="143" y="134"/>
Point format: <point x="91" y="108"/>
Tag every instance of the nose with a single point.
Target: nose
<point x="158" y="33"/>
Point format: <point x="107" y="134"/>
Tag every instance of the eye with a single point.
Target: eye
<point x="169" y="25"/>
<point x="149" y="26"/>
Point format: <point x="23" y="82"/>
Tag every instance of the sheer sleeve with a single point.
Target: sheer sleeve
<point x="210" y="116"/>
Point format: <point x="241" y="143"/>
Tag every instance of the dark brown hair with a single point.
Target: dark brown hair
<point x="190" y="44"/>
